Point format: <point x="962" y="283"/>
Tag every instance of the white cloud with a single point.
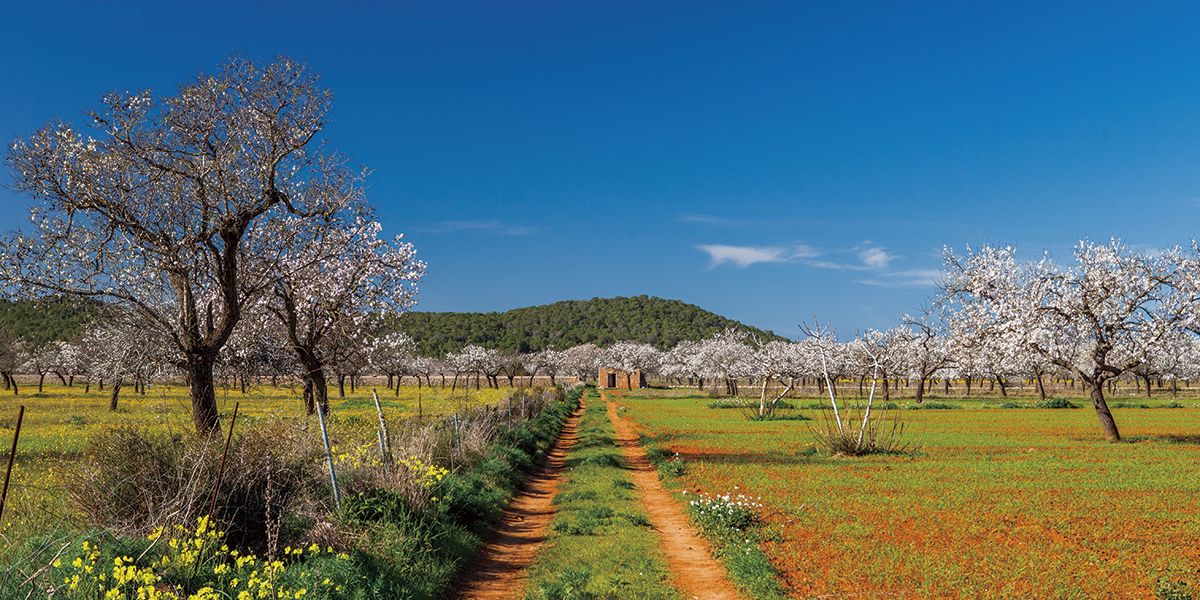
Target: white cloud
<point x="875" y="257"/>
<point x="744" y="256"/>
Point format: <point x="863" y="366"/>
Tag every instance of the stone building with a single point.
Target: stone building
<point x="616" y="379"/>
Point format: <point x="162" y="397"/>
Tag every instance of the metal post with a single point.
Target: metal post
<point x="337" y="496"/>
<point x="385" y="441"/>
<point x="12" y="455"/>
<point x="212" y="505"/>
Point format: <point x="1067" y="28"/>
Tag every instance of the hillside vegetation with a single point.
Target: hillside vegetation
<point x="47" y="319"/>
<point x="563" y="324"/>
<point x="602" y="321"/>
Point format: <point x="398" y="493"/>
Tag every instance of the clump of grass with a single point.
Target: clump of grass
<point x="934" y="406"/>
<point x="571" y="584"/>
<point x="1130" y="405"/>
<point x="1167" y="589"/>
<point x="1011" y="405"/>
<point x="778" y="417"/>
<point x="745" y="403"/>
<point x="1055" y="403"/>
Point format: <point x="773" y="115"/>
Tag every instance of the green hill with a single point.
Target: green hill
<point x="563" y="324"/>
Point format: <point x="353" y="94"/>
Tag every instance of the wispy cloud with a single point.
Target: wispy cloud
<point x="702" y="218"/>
<point x="873" y="262"/>
<point x="900" y="279"/>
<point x="491" y="226"/>
<point x="744" y="256"/>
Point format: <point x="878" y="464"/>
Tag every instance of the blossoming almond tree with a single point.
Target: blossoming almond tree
<point x="343" y="271"/>
<point x="1098" y="318"/>
<point x="162" y="209"/>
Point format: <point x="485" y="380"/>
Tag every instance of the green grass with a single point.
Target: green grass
<point x="1016" y="503"/>
<point x="600" y="543"/>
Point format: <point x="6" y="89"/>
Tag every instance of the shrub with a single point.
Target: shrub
<point x="745" y="403"/>
<point x="1055" y="403"/>
<point x="883" y="434"/>
<point x="131" y="480"/>
<point x="777" y="417"/>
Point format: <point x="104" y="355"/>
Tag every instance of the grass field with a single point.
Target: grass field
<point x="995" y="502"/>
<point x="59" y="421"/>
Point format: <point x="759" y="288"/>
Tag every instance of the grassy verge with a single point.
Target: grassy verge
<point x="730" y="523"/>
<point x="378" y="545"/>
<point x="601" y="544"/>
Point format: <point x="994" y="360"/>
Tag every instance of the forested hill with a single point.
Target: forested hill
<point x="47" y="319"/>
<point x="563" y="324"/>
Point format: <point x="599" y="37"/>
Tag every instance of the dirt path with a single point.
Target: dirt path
<point x="500" y="570"/>
<point x="697" y="573"/>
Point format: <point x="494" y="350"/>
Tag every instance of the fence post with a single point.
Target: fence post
<point x="212" y="505"/>
<point x="12" y="454"/>
<point x="337" y="496"/>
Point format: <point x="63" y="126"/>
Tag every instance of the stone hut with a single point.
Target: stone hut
<point x="616" y="379"/>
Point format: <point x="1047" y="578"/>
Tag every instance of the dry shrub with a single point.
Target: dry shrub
<point x="883" y="434"/>
<point x="455" y="443"/>
<point x="132" y="480"/>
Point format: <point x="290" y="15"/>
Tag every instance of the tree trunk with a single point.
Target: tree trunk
<point x="320" y="393"/>
<point x="920" y="390"/>
<point x="116" y="394"/>
<point x="1041" y="387"/>
<point x="1106" y="419"/>
<point x="341" y="386"/>
<point x="41" y="380"/>
<point x="1003" y="388"/>
<point x="1147" y="380"/>
<point x="203" y="393"/>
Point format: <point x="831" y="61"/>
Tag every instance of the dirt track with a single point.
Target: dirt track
<point x="696" y="573"/>
<point x="501" y="568"/>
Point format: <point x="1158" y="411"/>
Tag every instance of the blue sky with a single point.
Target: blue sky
<point x="773" y="162"/>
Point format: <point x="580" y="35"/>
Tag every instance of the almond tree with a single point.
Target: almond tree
<point x="1097" y="318"/>
<point x="924" y="343"/>
<point x="123" y="349"/>
<point x="633" y="356"/>
<point x="342" y="272"/>
<point x="584" y="361"/>
<point x="775" y="360"/>
<point x="392" y="354"/>
<point x="551" y="362"/>
<point x="164" y="207"/>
